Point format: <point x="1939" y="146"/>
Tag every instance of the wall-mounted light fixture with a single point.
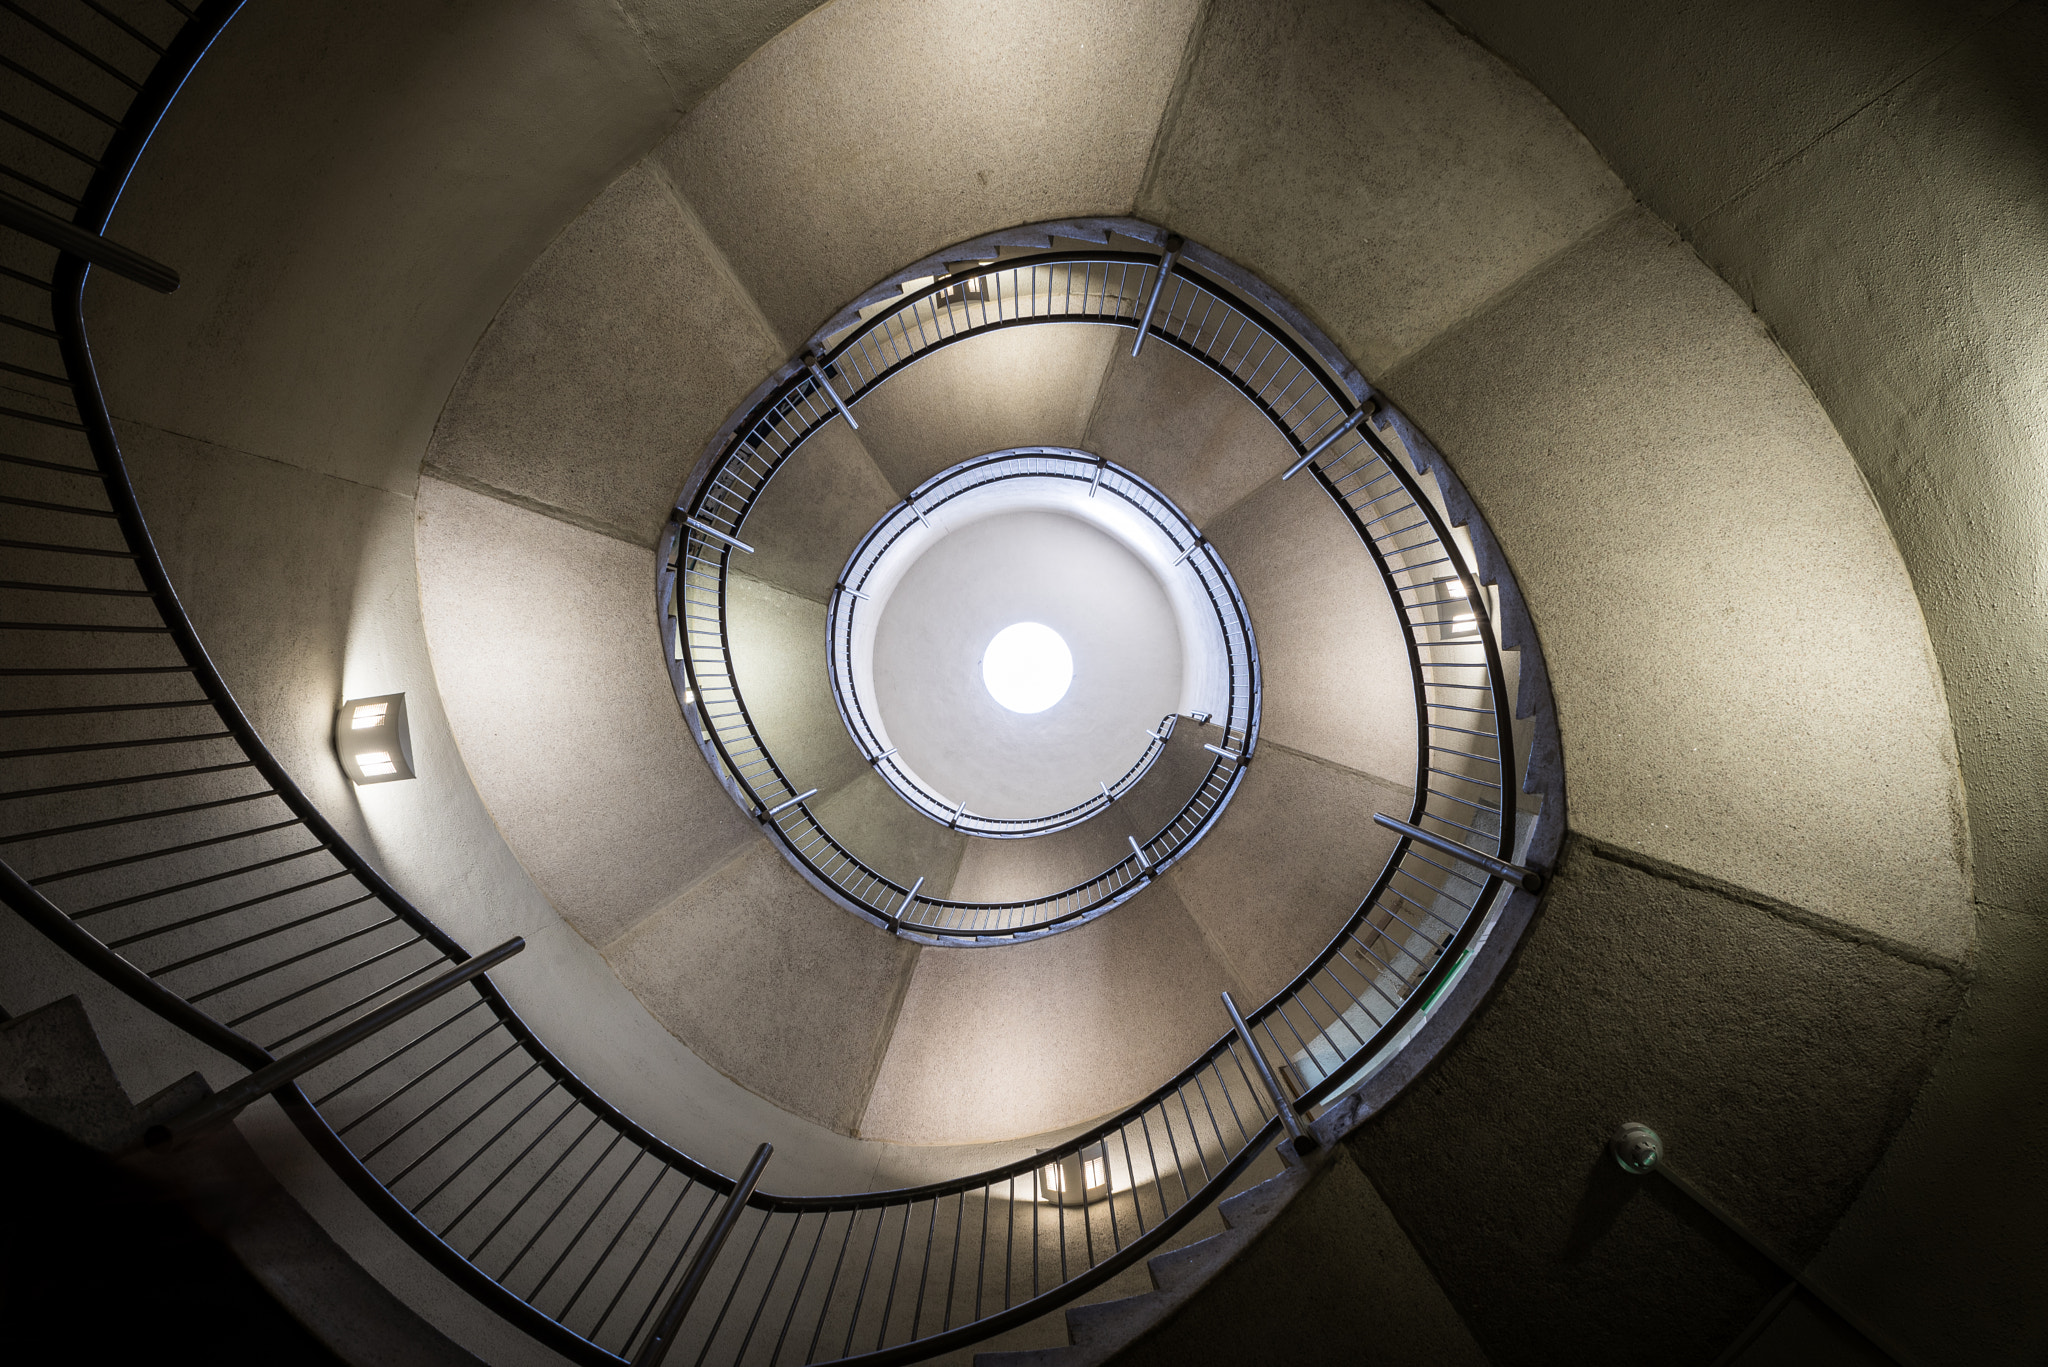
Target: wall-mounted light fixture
<point x="1076" y="1179"/>
<point x="372" y="739"/>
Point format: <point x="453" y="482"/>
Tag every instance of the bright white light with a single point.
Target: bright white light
<point x="368" y="715"/>
<point x="1027" y="667"/>
<point x="375" y="762"/>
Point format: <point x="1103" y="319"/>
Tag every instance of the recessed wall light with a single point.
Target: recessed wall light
<point x="372" y="739"/>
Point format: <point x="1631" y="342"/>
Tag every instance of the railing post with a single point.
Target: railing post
<point x="1326" y="443"/>
<point x="1528" y="880"/>
<point x="711" y="531"/>
<point x="659" y="1342"/>
<point x="1173" y="245"/>
<point x="779" y="809"/>
<point x="231" y="1099"/>
<point x="30" y="221"/>
<point x="818" y="374"/>
<point x="1301" y="1142"/>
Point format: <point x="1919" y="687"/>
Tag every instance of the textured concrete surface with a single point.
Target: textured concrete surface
<point x="1292" y="858"/>
<point x="553" y="681"/>
<point x="1680" y="131"/>
<point x="617" y="356"/>
<point x="1925" y="169"/>
<point x="1871" y="147"/>
<point x="985" y="115"/>
<point x="772" y="984"/>
<point x="1049" y="1033"/>
<point x="696" y="43"/>
<point x="778" y="659"/>
<point x="1371" y="163"/>
<point x="893" y="837"/>
<point x="1738" y="574"/>
<point x="1337" y="682"/>
<point x="1011" y="870"/>
<point x="252" y="544"/>
<point x="1030" y="386"/>
<point x="1774" y="1055"/>
<point x="814" y="512"/>
<point x="349" y="193"/>
<point x="1167" y="417"/>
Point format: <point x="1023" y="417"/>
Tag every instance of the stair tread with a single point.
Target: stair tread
<point x="1101" y="1329"/>
<point x="1104" y="1321"/>
<point x="1183" y="1266"/>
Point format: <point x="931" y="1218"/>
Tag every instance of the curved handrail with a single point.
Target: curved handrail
<point x="1044" y="463"/>
<point x="172" y="859"/>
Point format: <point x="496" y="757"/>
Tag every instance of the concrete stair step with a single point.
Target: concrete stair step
<point x="1101" y="1330"/>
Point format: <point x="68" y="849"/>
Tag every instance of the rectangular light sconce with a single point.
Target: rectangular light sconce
<point x="1074" y="1180"/>
<point x="373" y="740"/>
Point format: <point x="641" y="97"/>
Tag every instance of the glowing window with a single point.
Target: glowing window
<point x="1027" y="667"/>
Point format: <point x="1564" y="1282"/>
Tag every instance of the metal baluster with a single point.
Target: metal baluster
<point x="662" y="1339"/>
<point x="1299" y="1139"/>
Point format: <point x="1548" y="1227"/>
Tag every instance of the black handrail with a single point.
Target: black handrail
<point x="545" y="1169"/>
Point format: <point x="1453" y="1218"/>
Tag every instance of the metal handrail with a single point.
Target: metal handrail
<point x="153" y="837"/>
<point x="1233" y="621"/>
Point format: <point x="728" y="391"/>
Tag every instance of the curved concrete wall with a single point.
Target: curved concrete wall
<point x="1825" y="149"/>
<point x="1462" y="241"/>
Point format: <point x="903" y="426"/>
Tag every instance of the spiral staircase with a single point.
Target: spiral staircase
<point x="439" y="460"/>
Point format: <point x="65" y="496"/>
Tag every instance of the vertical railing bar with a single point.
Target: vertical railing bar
<point x="633" y="1272"/>
<point x="555" y="1214"/>
<point x="960" y="1214"/>
<point x="675" y="1265"/>
<point x="486" y="1146"/>
<point x="588" y="1221"/>
<point x="797" y="1298"/>
<point x="895" y="1272"/>
<point x="505" y="1172"/>
<point x="671" y="1322"/>
<point x="520" y="1205"/>
<point x="860" y="1295"/>
<point x="738" y="1280"/>
<point x="660" y="1171"/>
<point x="775" y="1275"/>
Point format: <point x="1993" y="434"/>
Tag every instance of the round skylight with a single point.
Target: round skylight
<point x="1027" y="667"/>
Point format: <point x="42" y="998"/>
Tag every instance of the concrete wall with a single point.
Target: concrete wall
<point x="1827" y="149"/>
<point x="1724" y="581"/>
<point x="873" y="133"/>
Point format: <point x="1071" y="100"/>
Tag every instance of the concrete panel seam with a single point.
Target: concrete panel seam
<point x="527" y="503"/>
<point x="769" y="586"/>
<point x="1749" y="186"/>
<point x="737" y="852"/>
<point x="885" y="1035"/>
<point x="293" y="466"/>
<point x="640" y="41"/>
<point x="719" y="261"/>
<point x="1402" y="785"/>
<point x="1169" y="114"/>
<point x="1510" y="291"/>
<point x="1416" y="1245"/>
<point x="1683" y="877"/>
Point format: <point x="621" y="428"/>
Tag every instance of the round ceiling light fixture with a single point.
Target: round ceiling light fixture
<point x="1027" y="667"/>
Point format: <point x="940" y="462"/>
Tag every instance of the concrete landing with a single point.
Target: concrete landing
<point x="53" y="1069"/>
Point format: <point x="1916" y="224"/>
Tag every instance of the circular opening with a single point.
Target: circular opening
<point x="1027" y="667"/>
